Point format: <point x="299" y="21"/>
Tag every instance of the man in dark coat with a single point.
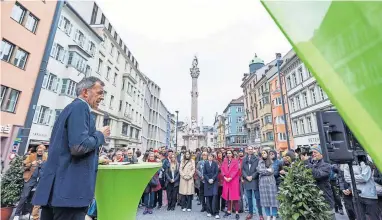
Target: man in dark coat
<point x="251" y="181"/>
<point x="67" y="185"/>
<point x="321" y="173"/>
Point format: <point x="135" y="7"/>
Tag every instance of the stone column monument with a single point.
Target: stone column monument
<point x="193" y="137"/>
<point x="194" y="72"/>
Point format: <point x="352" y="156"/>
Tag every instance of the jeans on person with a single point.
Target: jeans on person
<point x="349" y="207"/>
<point x="270" y="211"/>
<point x="187" y="202"/>
<point x="149" y="199"/>
<point x="253" y="197"/>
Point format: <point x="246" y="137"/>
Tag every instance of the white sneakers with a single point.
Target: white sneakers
<point x="16" y="218"/>
<point x="209" y="215"/>
<point x="184" y="210"/>
<point x="217" y="216"/>
<point x="188" y="210"/>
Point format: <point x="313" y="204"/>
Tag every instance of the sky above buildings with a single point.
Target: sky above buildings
<point x="165" y="35"/>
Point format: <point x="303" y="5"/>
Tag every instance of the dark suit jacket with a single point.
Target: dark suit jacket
<point x="168" y="175"/>
<point x="69" y="175"/>
<point x="211" y="172"/>
<point x="250" y="171"/>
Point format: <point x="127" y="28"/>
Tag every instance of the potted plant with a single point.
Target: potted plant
<point x="12" y="184"/>
<point x="299" y="196"/>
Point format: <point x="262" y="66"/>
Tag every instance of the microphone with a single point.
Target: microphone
<point x="106" y="119"/>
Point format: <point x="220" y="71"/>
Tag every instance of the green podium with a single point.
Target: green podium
<point x="120" y="187"/>
<point x="341" y="43"/>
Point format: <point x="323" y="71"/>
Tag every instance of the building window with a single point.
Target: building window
<point x="281" y="136"/>
<point x="240" y="129"/>
<point x="277" y="101"/>
<point x="42" y="115"/>
<point x="94" y="14"/>
<point x="310" y="127"/>
<point x="322" y="94"/>
<point x="131" y="132"/>
<point x="298" y="102"/>
<point x="103" y="18"/>
<point x="109" y="27"/>
<point x="104" y="37"/>
<point x="20" y="58"/>
<point x="112" y="49"/>
<point x="292" y="104"/>
<point x="20" y="55"/>
<point x="308" y="73"/>
<point x="50" y="82"/>
<point x="58" y="52"/>
<point x="99" y="67"/>
<point x="305" y="98"/>
<point x="289" y="86"/>
<point x="104" y="97"/>
<point x="65" y="25"/>
<point x="6" y="50"/>
<point x="68" y="87"/>
<point x="268" y="119"/>
<point x="120" y="105"/>
<point x="120" y="42"/>
<point x="118" y="55"/>
<point x="125" y="127"/>
<point x="313" y="94"/>
<point x="239" y="119"/>
<point x="111" y="102"/>
<point x="77" y="61"/>
<point x="9" y="98"/>
<point x="18" y="13"/>
<point x="269" y="136"/>
<point x="239" y="109"/>
<point x="294" y="79"/>
<point x="108" y="72"/>
<point x="31" y="23"/>
<point x="280" y="120"/>
<point x="295" y="125"/>
<point x="79" y="38"/>
<point x="91" y="48"/>
<point x="300" y="73"/>
<point x="302" y="125"/>
<point x="115" y="79"/>
<point x="88" y="71"/>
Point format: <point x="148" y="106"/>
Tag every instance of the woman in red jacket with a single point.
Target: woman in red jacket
<point x="151" y="188"/>
<point x="220" y="201"/>
<point x="231" y="185"/>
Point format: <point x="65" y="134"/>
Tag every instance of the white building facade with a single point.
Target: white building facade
<point x="73" y="56"/>
<point x="305" y="97"/>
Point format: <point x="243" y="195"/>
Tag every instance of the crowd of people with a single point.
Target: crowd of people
<point x="246" y="180"/>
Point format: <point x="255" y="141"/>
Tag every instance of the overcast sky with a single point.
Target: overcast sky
<point x="225" y="35"/>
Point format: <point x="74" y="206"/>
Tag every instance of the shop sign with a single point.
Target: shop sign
<point x="39" y="134"/>
<point x="314" y="140"/>
<point x="5" y="129"/>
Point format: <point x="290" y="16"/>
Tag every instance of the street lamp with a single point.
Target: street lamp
<point x="279" y="62"/>
<point x="176" y="132"/>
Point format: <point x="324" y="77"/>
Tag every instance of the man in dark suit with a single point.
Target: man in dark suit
<point x="67" y="185"/>
<point x="251" y="181"/>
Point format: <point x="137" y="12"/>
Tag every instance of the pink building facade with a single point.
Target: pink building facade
<point x="24" y="33"/>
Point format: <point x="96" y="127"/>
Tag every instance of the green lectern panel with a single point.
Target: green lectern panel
<point x="341" y="43"/>
<point x="120" y="187"/>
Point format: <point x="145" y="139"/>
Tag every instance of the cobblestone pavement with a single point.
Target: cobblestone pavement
<point x="195" y="214"/>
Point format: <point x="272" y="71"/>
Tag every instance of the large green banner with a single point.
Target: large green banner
<point x="341" y="43"/>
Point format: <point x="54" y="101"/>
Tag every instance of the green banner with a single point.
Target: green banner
<point x="341" y="43"/>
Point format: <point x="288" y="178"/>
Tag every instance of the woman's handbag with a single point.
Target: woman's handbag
<point x="154" y="182"/>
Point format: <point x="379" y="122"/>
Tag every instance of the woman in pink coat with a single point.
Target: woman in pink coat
<point x="231" y="184"/>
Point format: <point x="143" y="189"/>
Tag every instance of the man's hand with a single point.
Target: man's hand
<point x="249" y="178"/>
<point x="34" y="163"/>
<point x="282" y="172"/>
<point x="105" y="131"/>
<point x="172" y="181"/>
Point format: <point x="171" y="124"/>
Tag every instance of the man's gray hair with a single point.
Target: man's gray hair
<point x="87" y="83"/>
